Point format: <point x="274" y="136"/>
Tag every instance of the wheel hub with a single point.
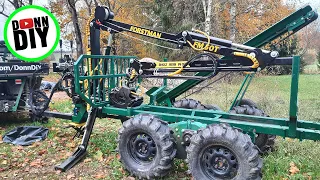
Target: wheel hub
<point x="142" y="148"/>
<point x="219" y="162"/>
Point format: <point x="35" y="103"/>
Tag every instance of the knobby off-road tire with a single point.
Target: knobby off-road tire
<point x="246" y="102"/>
<point x="194" y="104"/>
<point x="145" y="146"/>
<point x="265" y="142"/>
<point x="221" y="152"/>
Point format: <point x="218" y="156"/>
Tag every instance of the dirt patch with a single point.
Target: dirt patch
<point x="58" y="96"/>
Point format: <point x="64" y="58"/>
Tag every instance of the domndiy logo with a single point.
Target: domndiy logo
<point x="31" y="33"/>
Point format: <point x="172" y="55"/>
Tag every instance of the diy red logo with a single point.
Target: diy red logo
<point x="27" y="29"/>
<point x="26" y="23"/>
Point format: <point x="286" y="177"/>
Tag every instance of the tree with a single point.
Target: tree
<point x="75" y="21"/>
<point x="12" y="3"/>
<point x="207" y="8"/>
<point x="233" y="23"/>
<point x="286" y="48"/>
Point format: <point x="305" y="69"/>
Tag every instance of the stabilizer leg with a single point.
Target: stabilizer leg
<point x="81" y="152"/>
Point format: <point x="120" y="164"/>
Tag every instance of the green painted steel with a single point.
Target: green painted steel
<point x="243" y="89"/>
<point x="294" y="97"/>
<point x="186" y="118"/>
<point x="105" y="71"/>
<point x="80" y="113"/>
<point x="180" y="129"/>
<point x="15" y="107"/>
<point x="249" y="124"/>
<point x="290" y="24"/>
<point x="153" y="95"/>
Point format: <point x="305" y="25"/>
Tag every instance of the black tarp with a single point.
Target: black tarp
<point x="25" y="135"/>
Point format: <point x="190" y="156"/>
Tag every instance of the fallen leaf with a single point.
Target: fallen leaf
<point x="2" y="169"/>
<point x="70" y="176"/>
<point x="87" y="160"/>
<point x="129" y="178"/>
<point x="99" y="156"/>
<point x="36" y="144"/>
<point x="100" y="175"/>
<point x="308" y="176"/>
<point x="42" y="152"/>
<point x="4" y="162"/>
<point x="118" y="156"/>
<point x="20" y="148"/>
<point x="293" y="169"/>
<point x="64" y="155"/>
<point x="71" y="144"/>
<point x="122" y="170"/>
<point x="36" y="163"/>
<point x="110" y="158"/>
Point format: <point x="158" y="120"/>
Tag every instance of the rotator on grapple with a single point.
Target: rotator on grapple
<point x="216" y="144"/>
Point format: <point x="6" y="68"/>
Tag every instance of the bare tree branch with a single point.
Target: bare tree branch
<point x="76" y="25"/>
<point x="2" y="10"/>
<point x="249" y="8"/>
<point x="96" y="3"/>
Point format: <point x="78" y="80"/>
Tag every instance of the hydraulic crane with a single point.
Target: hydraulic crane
<point x="237" y="57"/>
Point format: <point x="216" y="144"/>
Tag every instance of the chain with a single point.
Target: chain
<point x="207" y="85"/>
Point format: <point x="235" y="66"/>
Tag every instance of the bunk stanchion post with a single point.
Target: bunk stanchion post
<point x="294" y="97"/>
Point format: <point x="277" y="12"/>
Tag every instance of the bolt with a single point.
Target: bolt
<point x="184" y="33"/>
<point x="253" y="54"/>
<point x="178" y="136"/>
<point x="274" y="54"/>
<point x="177" y="129"/>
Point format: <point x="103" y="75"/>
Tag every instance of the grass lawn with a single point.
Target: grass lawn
<point x="270" y="93"/>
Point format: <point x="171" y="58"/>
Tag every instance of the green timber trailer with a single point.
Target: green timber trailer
<point x="16" y="79"/>
<point x="216" y="144"/>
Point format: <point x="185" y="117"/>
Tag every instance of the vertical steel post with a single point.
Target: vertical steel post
<point x="294" y="97"/>
<point x="112" y="71"/>
<point x="165" y="80"/>
<point x="108" y="49"/>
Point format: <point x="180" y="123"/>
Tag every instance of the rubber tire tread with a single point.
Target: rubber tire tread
<point x="265" y="142"/>
<point x="160" y="133"/>
<point x="194" y="104"/>
<point x="247" y="154"/>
